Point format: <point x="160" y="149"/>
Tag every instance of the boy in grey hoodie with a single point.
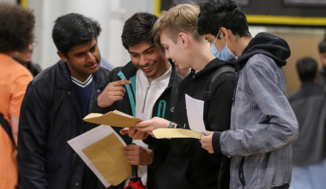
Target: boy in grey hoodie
<point x="263" y="124"/>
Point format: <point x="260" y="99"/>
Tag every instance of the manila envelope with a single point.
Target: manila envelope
<point x="175" y="133"/>
<point x="113" y="118"/>
<point x="107" y="156"/>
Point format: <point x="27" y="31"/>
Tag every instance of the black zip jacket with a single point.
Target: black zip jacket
<point x="188" y="165"/>
<point x="164" y="107"/>
<point x="51" y="115"/>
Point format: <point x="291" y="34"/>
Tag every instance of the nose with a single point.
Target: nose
<point x="143" y="60"/>
<point x="90" y="57"/>
<point x="167" y="55"/>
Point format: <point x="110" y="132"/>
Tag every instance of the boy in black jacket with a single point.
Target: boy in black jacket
<point x="54" y="106"/>
<point x="144" y="88"/>
<point x="188" y="166"/>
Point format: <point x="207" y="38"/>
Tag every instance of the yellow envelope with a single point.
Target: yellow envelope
<point x="113" y="118"/>
<point x="107" y="156"/>
<point x="175" y="133"/>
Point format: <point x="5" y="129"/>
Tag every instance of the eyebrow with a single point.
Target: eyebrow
<point x="85" y="51"/>
<point x="149" y="48"/>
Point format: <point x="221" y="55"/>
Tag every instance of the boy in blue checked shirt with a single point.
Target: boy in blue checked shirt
<point x="263" y="124"/>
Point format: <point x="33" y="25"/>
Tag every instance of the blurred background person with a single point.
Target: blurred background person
<point x="103" y="63"/>
<point x="16" y="33"/>
<point x="24" y="57"/>
<point x="309" y="105"/>
<point x="322" y="54"/>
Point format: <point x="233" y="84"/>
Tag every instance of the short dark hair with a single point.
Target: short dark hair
<point x="322" y="45"/>
<point x="307" y="68"/>
<point x="16" y="28"/>
<point x="96" y="25"/>
<point x="71" y="30"/>
<point x="215" y="14"/>
<point x="137" y="29"/>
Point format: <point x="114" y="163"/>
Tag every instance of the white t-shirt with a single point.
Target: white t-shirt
<point x="146" y="96"/>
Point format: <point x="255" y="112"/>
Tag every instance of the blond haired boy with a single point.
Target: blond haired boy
<point x="188" y="166"/>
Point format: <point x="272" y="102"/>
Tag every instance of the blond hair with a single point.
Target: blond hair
<point x="181" y="18"/>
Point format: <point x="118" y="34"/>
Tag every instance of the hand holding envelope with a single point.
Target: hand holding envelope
<point x="195" y="111"/>
<point x="113" y="118"/>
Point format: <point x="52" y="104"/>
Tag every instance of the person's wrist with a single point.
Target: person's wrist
<point x="171" y="125"/>
<point x="99" y="102"/>
<point x="150" y="156"/>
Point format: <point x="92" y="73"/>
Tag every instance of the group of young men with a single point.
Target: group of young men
<point x="240" y="79"/>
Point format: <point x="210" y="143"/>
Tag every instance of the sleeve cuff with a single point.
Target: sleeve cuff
<point x="216" y="142"/>
<point x="148" y="140"/>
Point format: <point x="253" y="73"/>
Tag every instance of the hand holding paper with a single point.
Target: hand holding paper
<point x="195" y="114"/>
<point x="150" y="125"/>
<point x="134" y="133"/>
<point x="206" y="141"/>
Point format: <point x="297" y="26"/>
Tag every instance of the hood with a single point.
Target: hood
<point x="269" y="45"/>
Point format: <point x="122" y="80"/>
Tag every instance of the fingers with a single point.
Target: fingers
<point x="146" y="129"/>
<point x="144" y="124"/>
<point x="132" y="153"/>
<point x="123" y="82"/>
<point x="124" y="131"/>
<point x="206" y="143"/>
<point x="137" y="155"/>
<point x="138" y="135"/>
<point x="120" y="82"/>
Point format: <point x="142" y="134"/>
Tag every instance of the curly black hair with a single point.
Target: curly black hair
<point x="137" y="29"/>
<point x="16" y="27"/>
<point x="215" y="14"/>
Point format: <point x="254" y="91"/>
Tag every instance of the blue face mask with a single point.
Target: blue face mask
<point x="225" y="54"/>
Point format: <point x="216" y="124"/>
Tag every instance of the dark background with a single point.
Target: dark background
<point x="295" y="8"/>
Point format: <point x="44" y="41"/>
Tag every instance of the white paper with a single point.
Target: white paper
<point x="195" y="114"/>
<point x="84" y="140"/>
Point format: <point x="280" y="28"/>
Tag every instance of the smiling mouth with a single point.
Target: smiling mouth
<point x="148" y="67"/>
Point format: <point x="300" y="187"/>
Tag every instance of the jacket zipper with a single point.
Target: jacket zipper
<point x="241" y="173"/>
<point x="149" y="85"/>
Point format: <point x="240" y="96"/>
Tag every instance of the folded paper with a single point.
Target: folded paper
<point x="107" y="156"/>
<point x="175" y="133"/>
<point x="101" y="149"/>
<point x="113" y="118"/>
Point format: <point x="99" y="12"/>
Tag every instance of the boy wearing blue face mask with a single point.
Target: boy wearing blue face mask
<point x="263" y="124"/>
<point x="225" y="54"/>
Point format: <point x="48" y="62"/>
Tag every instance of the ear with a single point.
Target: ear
<point x="62" y="56"/>
<point x="184" y="39"/>
<point x="224" y="34"/>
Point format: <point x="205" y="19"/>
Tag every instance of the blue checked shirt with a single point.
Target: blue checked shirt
<point x="263" y="126"/>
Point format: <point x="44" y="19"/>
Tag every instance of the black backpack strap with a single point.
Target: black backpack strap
<point x="218" y="72"/>
<point x="5" y="125"/>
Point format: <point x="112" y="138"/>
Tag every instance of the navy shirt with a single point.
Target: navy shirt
<point x="84" y="91"/>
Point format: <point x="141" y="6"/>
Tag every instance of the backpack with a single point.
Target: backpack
<point x="224" y="171"/>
